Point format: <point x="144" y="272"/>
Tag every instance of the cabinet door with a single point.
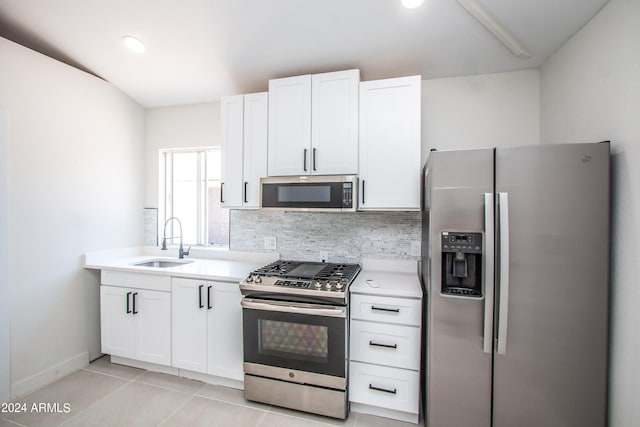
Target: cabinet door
<point x="390" y="144"/>
<point x="152" y="326"/>
<point x="334" y="123"/>
<point x="189" y="324"/>
<point x="255" y="146"/>
<point x="225" y="349"/>
<point x="289" y="126"/>
<point x="231" y="141"/>
<point x="116" y="324"/>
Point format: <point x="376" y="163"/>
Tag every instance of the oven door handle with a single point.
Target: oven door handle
<point x="292" y="307"/>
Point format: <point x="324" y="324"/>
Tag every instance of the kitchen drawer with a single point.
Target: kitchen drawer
<point x="383" y="344"/>
<point x="403" y="311"/>
<point x="153" y="282"/>
<point x="391" y="388"/>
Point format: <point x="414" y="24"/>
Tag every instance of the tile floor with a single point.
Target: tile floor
<point x="106" y="394"/>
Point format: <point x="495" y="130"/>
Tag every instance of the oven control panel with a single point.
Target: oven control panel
<point x="315" y="285"/>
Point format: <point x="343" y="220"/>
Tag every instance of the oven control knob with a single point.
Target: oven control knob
<point x="249" y="279"/>
<point x="339" y="286"/>
<point x="318" y="285"/>
<point x="257" y="279"/>
<point x="328" y="285"/>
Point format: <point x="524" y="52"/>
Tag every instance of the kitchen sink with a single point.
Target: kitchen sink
<point x="161" y="263"/>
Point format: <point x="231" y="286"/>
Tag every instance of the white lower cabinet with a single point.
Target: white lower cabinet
<point x="207" y="327"/>
<point x="384" y="387"/>
<point x="136" y="323"/>
<point x="384" y="368"/>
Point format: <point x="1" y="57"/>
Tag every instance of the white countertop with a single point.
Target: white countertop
<point x="227" y="266"/>
<point x="389" y="278"/>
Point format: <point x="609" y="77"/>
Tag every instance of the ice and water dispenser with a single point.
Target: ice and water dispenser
<point x="461" y="264"/>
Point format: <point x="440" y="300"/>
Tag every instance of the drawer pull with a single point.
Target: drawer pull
<point x="376" y="344"/>
<point x="372" y="387"/>
<point x="393" y="310"/>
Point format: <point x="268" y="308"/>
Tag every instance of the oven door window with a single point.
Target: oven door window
<point x="295" y="341"/>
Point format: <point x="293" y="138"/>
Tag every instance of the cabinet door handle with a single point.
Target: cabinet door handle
<point x="363" y="191"/>
<point x="128" y="309"/>
<point x="134" y="303"/>
<point x="209" y="306"/>
<point x="372" y="387"/>
<point x="304" y="160"/>
<point x="377" y="344"/>
<point x="221" y="194"/>
<point x="200" y="305"/>
<point x="245" y="192"/>
<point x="314" y="159"/>
<point x="393" y="310"/>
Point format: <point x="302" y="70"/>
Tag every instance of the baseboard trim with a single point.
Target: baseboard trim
<point x="407" y="417"/>
<point x="49" y="375"/>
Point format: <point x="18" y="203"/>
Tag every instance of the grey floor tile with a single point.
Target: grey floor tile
<point x="5" y="423"/>
<point x="230" y="395"/>
<point x="136" y="404"/>
<point x="349" y="422"/>
<point x="366" y="420"/>
<point x="104" y="366"/>
<point x="79" y="390"/>
<point x="279" y="420"/>
<point x="171" y="382"/>
<point x="199" y="411"/>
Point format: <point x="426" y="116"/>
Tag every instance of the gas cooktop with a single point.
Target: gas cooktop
<point x="301" y="281"/>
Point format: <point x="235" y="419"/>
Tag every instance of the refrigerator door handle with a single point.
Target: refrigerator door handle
<point x="489" y="275"/>
<point x="503" y="313"/>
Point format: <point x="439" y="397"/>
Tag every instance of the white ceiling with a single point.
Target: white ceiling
<point x="199" y="50"/>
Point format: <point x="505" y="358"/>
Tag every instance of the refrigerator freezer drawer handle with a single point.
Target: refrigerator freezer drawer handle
<point x="489" y="275"/>
<point x="503" y="313"/>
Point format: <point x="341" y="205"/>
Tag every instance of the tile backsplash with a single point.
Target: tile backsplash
<point x="344" y="237"/>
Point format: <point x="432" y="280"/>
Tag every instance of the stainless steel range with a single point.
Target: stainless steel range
<point x="295" y="335"/>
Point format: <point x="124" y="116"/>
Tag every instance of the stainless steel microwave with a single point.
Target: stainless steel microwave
<point x="310" y="193"/>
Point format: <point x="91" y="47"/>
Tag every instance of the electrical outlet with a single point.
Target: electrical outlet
<point x="415" y="248"/>
<point x="270" y="243"/>
<point x="324" y="256"/>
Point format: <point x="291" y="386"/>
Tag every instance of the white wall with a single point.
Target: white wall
<point x="591" y="92"/>
<point x="183" y="126"/>
<point x="5" y="337"/>
<point x="488" y="110"/>
<point x="75" y="184"/>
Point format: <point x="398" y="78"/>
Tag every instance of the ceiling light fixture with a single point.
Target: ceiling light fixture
<point x="491" y="24"/>
<point x="133" y="44"/>
<point x="411" y="4"/>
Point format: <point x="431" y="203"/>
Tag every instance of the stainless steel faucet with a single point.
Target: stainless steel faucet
<point x="181" y="252"/>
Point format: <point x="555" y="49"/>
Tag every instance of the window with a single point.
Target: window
<point x="190" y="191"/>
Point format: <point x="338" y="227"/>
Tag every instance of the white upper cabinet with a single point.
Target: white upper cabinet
<point x="244" y="149"/>
<point x="334" y="123"/>
<point x="390" y="144"/>
<point x="232" y="129"/>
<point x="313" y="124"/>
<point x="289" y="126"/>
<point x="255" y="147"/>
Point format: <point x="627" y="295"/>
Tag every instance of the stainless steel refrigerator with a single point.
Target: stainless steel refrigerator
<point x="516" y="272"/>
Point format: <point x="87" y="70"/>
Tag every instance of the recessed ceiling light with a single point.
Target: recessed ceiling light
<point x="410" y="4"/>
<point x="133" y="44"/>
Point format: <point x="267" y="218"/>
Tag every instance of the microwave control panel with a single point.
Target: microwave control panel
<point x="347" y="195"/>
